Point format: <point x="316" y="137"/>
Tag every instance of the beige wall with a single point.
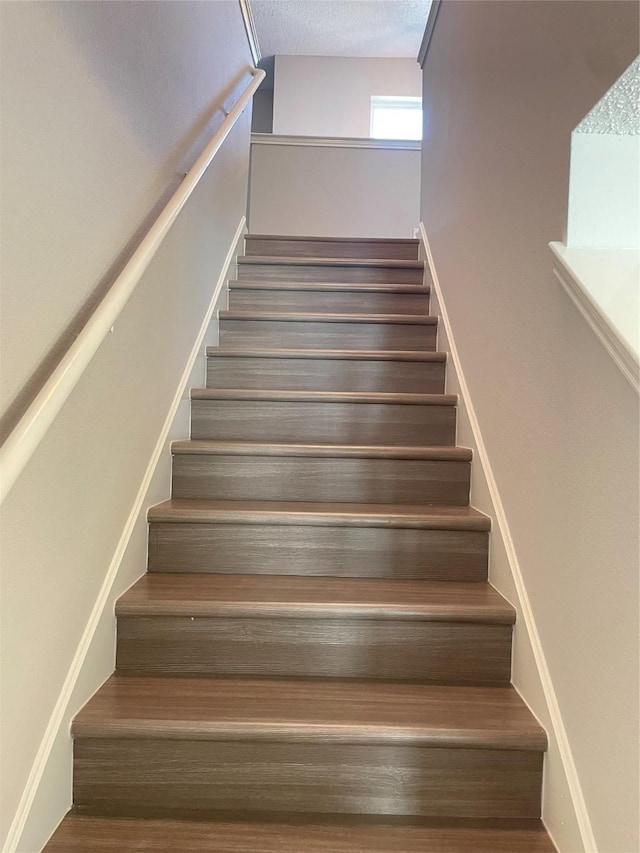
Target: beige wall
<point x="504" y="85"/>
<point x="331" y="95"/>
<point x="104" y="107"/>
<point x="331" y="191"/>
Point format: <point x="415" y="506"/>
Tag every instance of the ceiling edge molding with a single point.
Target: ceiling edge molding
<point x="428" y="32"/>
<point x="334" y="142"/>
<point x="250" y="27"/>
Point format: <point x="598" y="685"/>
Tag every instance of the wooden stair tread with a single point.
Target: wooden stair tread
<point x="324" y="396"/>
<point x="305" y="710"/>
<point x="208" y="447"/>
<point x="298" y="834"/>
<point x="270" y="260"/>
<point x="358" y="355"/>
<point x="307" y="317"/>
<point x="328" y="286"/>
<point x="250" y="704"/>
<point x="424" y="517"/>
<point x="210" y="681"/>
<point x="413" y="241"/>
<point x="313" y="597"/>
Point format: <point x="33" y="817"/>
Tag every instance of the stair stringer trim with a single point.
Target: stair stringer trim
<point x="564" y="812"/>
<point x="71" y="698"/>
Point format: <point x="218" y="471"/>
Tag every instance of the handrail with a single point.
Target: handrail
<point x="33" y="425"/>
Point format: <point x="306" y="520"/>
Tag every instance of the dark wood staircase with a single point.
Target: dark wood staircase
<point x="315" y="660"/>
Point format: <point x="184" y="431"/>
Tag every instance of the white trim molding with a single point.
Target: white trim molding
<point x="335" y="142"/>
<point x="428" y="31"/>
<point x="609" y="336"/>
<point x="523" y="604"/>
<point x="250" y="27"/>
<point x="61" y="708"/>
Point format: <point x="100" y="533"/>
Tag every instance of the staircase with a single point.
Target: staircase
<point x="315" y="660"/>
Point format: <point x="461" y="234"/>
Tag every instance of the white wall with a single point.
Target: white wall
<point x="104" y="107"/>
<point x="604" y="192"/>
<point x="331" y="95"/>
<point x="504" y="86"/>
<point x="327" y="190"/>
<point x="604" y="181"/>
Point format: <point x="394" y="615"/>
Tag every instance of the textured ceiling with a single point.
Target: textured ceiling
<point x="391" y="28"/>
<point x="618" y="111"/>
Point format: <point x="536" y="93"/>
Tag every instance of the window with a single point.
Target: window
<point x="395" y="117"/>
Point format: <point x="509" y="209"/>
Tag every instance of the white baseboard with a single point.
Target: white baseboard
<point x="61" y="707"/>
<point x="523" y="604"/>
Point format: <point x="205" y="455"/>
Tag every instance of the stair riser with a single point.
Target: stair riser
<point x="342" y="423"/>
<point x="128" y="776"/>
<point x="337" y="303"/>
<point x="331" y="273"/>
<point x="279" y="478"/>
<point x="307" y="374"/>
<point x="446" y="555"/>
<point x="301" y="335"/>
<point x="332" y="249"/>
<point x="352" y="648"/>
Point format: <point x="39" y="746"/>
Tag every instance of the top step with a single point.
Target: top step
<point x="331" y="247"/>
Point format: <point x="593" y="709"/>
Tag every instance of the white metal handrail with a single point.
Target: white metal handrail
<point x="33" y="425"/>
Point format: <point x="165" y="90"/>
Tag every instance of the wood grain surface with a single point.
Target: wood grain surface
<point x="323" y="422"/>
<point x="320" y="550"/>
<point x="315" y="660"/>
<point x="322" y="514"/>
<point x="327" y="247"/>
<point x="255" y="595"/>
<point x="366" y="319"/>
<point x="327" y="370"/>
<point x="441" y="453"/>
<point x="358" y="397"/>
<point x="334" y="647"/>
<point x="266" y="476"/>
<point x="130" y="776"/>
<point x="307" y="834"/>
<point x="305" y="710"/>
<point x="306" y="626"/>
<point x="330" y="269"/>
<point x="328" y="287"/>
<point x="342" y="355"/>
<point x="310" y="626"/>
<point x="282" y="332"/>
<point x="304" y="299"/>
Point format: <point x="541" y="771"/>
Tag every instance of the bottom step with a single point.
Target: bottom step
<point x="291" y="835"/>
<point x="148" y="746"/>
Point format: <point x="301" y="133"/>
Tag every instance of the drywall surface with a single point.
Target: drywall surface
<point x="331" y="95"/>
<point x="604" y="183"/>
<point x="262" y="121"/>
<point x="612" y="277"/>
<point x="504" y="86"/>
<point x="104" y="107"/>
<point x="505" y="574"/>
<point x="330" y="191"/>
<point x="604" y="192"/>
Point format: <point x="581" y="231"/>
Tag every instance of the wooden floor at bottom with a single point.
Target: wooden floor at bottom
<point x="82" y="834"/>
